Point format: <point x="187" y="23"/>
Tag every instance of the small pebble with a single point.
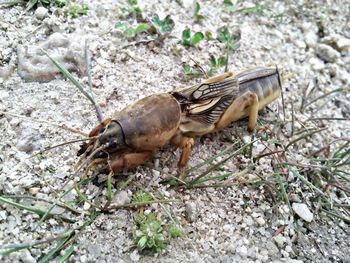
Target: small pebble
<point x="279" y="240"/>
<point x="191" y="212"/>
<point x="122" y="198"/>
<point x="242" y="251"/>
<point x="260" y="221"/>
<point x="327" y="53"/>
<point x="41" y="12"/>
<point x="303" y="211"/>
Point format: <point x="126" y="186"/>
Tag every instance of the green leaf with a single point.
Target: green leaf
<point x="228" y="2"/>
<point x="175" y="231"/>
<point x="198" y="36"/>
<point x="223" y="35"/>
<point x="142" y="27"/>
<point x="191" y="72"/>
<point x="257" y="9"/>
<point x="197" y="7"/>
<point x="221" y="62"/>
<point x="186" y="34"/>
<point x="213" y="61"/>
<point x="132" y="2"/>
<point x="60" y="3"/>
<point x="198" y="17"/>
<point x="162" y="26"/>
<point x="121" y="25"/>
<point x="208" y="35"/>
<point x="130" y="32"/>
<point x="141" y="244"/>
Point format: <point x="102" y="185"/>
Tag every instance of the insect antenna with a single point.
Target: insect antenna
<point x="63" y="144"/>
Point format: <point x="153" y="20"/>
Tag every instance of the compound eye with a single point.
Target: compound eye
<point x="112" y="144"/>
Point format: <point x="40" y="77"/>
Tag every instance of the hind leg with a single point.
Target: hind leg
<point x="243" y="106"/>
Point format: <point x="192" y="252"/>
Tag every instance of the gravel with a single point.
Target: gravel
<point x="244" y="222"/>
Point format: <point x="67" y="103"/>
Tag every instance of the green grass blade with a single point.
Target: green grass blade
<point x="34" y="210"/>
<point x="66" y="255"/>
<point x="81" y="88"/>
<point x="53" y="251"/>
<point x="213" y="167"/>
<point x="226" y="150"/>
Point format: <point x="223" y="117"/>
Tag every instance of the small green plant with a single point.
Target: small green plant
<point x="197" y="16"/>
<point x="163" y="27"/>
<point x="131" y="8"/>
<point x="231" y="41"/>
<point x="232" y="6"/>
<point x="215" y="64"/>
<point x="190" y="71"/>
<point x="149" y="235"/>
<point x="129" y="31"/>
<point x="188" y="40"/>
<point x="60" y="3"/>
<point x="75" y="10"/>
<point x="208" y="35"/>
<point x="175" y="231"/>
<point x="141" y="196"/>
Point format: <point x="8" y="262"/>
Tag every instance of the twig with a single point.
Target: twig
<point x="139" y="204"/>
<point x="293" y="119"/>
<point x="282" y="94"/>
<point x="256" y="158"/>
<point x="329" y="119"/>
<point x="200" y="67"/>
<point x="82" y="196"/>
<point x="303" y="137"/>
<point x="143" y="41"/>
<point x="322" y="96"/>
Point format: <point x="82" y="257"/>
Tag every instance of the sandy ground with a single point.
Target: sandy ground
<point x="309" y="41"/>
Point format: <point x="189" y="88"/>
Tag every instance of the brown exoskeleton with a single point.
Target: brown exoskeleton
<point x="136" y="132"/>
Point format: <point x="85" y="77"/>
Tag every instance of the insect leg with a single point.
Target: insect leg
<point x="243" y="106"/>
<point x="128" y="161"/>
<point x="186" y="144"/>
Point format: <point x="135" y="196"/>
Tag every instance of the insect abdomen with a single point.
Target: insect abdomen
<point x="264" y="82"/>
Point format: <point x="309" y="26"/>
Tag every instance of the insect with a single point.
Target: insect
<point x="136" y="132"/>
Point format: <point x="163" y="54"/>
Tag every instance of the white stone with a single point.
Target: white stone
<point x="303" y="211"/>
<point x="122" y="198"/>
<point x="248" y="220"/>
<point x="40" y="12"/>
<point x="279" y="240"/>
<point x="135" y="256"/>
<point x="316" y="63"/>
<point x="310" y="39"/>
<point x="260" y="221"/>
<point x="242" y="251"/>
<point x="327" y="53"/>
<point x="339" y="42"/>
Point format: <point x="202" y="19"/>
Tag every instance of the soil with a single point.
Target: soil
<point x="243" y="222"/>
